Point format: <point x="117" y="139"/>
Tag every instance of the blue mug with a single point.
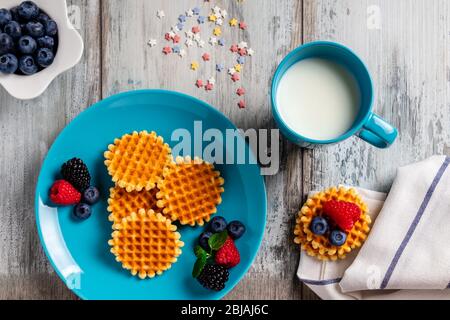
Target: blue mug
<point x="367" y="126"/>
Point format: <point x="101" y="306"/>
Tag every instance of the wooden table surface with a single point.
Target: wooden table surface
<point x="405" y="43"/>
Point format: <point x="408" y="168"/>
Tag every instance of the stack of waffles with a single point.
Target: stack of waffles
<point x="151" y="192"/>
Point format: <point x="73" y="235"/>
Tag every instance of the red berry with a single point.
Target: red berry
<point x="343" y="213"/>
<point x="228" y="256"/>
<point x="63" y="193"/>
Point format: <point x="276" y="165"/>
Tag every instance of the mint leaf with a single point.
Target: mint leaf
<point x="217" y="240"/>
<point x="198" y="266"/>
<point x="200" y="252"/>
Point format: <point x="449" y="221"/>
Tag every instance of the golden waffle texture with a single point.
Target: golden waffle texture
<point x="121" y="203"/>
<point x="146" y="243"/>
<point x="136" y="161"/>
<point x="319" y="246"/>
<point x="190" y="191"/>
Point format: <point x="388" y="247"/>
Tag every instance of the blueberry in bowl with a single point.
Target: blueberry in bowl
<point x="30" y="35"/>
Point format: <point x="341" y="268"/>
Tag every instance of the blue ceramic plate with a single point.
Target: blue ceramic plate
<point x="79" y="251"/>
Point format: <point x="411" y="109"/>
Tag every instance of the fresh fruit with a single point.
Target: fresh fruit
<point x="46" y="42"/>
<point x="27" y="65"/>
<point x="228" y="256"/>
<point x="45" y="57"/>
<point x="338" y="238"/>
<point x="214" y="277"/>
<point x="51" y="28"/>
<point x="91" y="195"/>
<point x="82" y="211"/>
<point x="8" y="63"/>
<point x="13" y="30"/>
<point x="319" y="226"/>
<point x="217" y="224"/>
<point x="27" y="45"/>
<point x="35" y="29"/>
<point x="236" y="229"/>
<point x="77" y="173"/>
<point x="63" y="193"/>
<point x="28" y="10"/>
<point x="42" y="18"/>
<point x="5" y="17"/>
<point x="15" y="14"/>
<point x="343" y="214"/>
<point x="203" y="240"/>
<point x="6" y="43"/>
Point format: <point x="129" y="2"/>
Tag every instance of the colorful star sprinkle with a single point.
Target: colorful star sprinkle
<point x="242" y="52"/>
<point x="217" y="31"/>
<point x="182" y="18"/>
<point x="219" y="21"/>
<point x="209" y="86"/>
<point x="234" y="48"/>
<point x="212" y="80"/>
<point x="238" y="68"/>
<point x="167" y="37"/>
<point x="196" y="11"/>
<point x="176" y="49"/>
<point x="243" y="45"/>
<point x="231" y="71"/>
<point x="242" y="104"/>
<point x="167" y="50"/>
<point x="201" y="19"/>
<point x="221" y="42"/>
<point x="176" y="39"/>
<point x="194" y="65"/>
<point x="195" y="29"/>
<point x="219" y="67"/>
<point x="189" y="43"/>
<point x="160" y="14"/>
<point x="213" y="41"/>
<point x="180" y="26"/>
<point x="212" y="18"/>
<point x="182" y="53"/>
<point x="199" y="83"/>
<point x="235" y="77"/>
<point x="189" y="13"/>
<point x="241" y="60"/>
<point x="250" y="52"/>
<point x="152" y="42"/>
<point x="233" y="22"/>
<point x="243" y="25"/>
<point x="240" y="92"/>
<point x="206" y="57"/>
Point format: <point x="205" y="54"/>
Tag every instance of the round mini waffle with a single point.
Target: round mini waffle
<point x="136" y="161"/>
<point x="319" y="246"/>
<point x="146" y="243"/>
<point x="121" y="203"/>
<point x="190" y="191"/>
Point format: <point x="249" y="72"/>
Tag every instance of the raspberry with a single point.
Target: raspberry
<point x="213" y="277"/>
<point x="77" y="173"/>
<point x="228" y="256"/>
<point x="63" y="193"/>
<point x="343" y="213"/>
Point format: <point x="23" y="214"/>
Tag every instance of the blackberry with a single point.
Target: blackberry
<point x="213" y="277"/>
<point x="77" y="173"/>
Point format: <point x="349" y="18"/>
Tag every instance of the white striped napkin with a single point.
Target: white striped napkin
<point x="407" y="254"/>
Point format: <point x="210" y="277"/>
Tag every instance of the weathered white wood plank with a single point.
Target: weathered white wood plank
<point x="28" y="129"/>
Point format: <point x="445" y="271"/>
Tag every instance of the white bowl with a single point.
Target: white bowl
<point x="70" y="51"/>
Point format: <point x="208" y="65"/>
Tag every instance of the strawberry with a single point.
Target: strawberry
<point x="343" y="213"/>
<point x="63" y="193"/>
<point x="228" y="256"/>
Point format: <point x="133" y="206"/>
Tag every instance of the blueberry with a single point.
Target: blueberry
<point x="42" y="18"/>
<point x="51" y="28"/>
<point x="8" y="63"/>
<point x="217" y="224"/>
<point x="82" y="211"/>
<point x="236" y="229"/>
<point x="91" y="195"/>
<point x="27" y="65"/>
<point x="338" y="238"/>
<point x="28" y="10"/>
<point x="5" y="17"/>
<point x="46" y="42"/>
<point x="319" y="226"/>
<point x="45" y="57"/>
<point x="13" y="29"/>
<point x="203" y="240"/>
<point x="6" y="43"/>
<point x="15" y="14"/>
<point x="27" y="45"/>
<point x="35" y="29"/>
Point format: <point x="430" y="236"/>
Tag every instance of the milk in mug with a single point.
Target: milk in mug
<point x="318" y="99"/>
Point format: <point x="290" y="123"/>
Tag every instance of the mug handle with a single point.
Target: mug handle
<point x="378" y="132"/>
